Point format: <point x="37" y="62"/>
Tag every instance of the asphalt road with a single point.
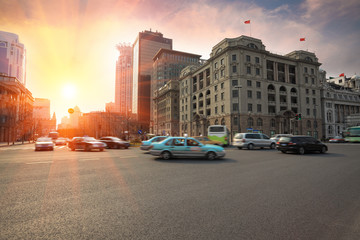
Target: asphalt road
<point x="127" y="194"/>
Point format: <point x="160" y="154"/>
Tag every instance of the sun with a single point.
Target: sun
<point x="69" y="91"/>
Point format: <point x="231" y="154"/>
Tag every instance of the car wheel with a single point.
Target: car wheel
<point x="301" y="151"/>
<point x="166" y="155"/>
<point x="126" y="147"/>
<point x="323" y="149"/>
<point x="272" y="146"/>
<point x="239" y="147"/>
<point x="283" y="151"/>
<point x="211" y="155"/>
<point x="251" y="146"/>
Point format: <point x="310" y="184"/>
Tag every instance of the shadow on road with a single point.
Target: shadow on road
<point x="196" y="160"/>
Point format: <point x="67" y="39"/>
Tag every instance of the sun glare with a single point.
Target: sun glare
<point x="69" y="91"/>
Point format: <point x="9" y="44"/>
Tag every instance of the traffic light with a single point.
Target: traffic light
<point x="299" y="116"/>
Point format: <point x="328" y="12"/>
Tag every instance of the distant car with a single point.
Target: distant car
<point x="300" y="144"/>
<point x="337" y="139"/>
<point x="278" y="136"/>
<point x="114" y="142"/>
<point x="145" y="145"/>
<point x="44" y="143"/>
<point x="206" y="140"/>
<point x="185" y="147"/>
<point x="60" y="141"/>
<point x="86" y="143"/>
<point x="253" y="140"/>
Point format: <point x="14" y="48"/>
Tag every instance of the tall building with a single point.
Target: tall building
<point x="123" y="82"/>
<point x="12" y="57"/>
<point x="43" y="124"/>
<point x="146" y="45"/>
<point x="167" y="67"/>
<point x="247" y="88"/>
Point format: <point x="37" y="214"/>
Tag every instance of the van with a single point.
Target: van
<point x="253" y="140"/>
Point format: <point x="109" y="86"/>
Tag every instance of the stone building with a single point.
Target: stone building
<point x="341" y="105"/>
<point x="16" y="111"/>
<point x="273" y="89"/>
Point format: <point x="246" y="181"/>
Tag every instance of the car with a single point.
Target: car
<point x="145" y="145"/>
<point x="86" y="143"/>
<point x="300" y="144"/>
<point x="44" y="143"/>
<point x="206" y="140"/>
<point x="60" y="141"/>
<point x="252" y="140"/>
<point x="114" y="142"/>
<point x="337" y="139"/>
<point x="185" y="147"/>
<point x="278" y="136"/>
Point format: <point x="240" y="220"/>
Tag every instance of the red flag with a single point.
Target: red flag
<point x="247" y="22"/>
<point x="342" y="75"/>
<point x="302" y="39"/>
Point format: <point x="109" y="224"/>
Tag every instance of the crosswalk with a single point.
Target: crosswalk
<point x="26" y="147"/>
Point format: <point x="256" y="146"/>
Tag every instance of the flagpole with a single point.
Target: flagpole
<point x="250" y="29"/>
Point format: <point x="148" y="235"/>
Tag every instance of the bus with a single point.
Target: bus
<point x="352" y="134"/>
<point x="219" y="133"/>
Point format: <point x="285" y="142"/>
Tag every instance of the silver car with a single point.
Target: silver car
<point x="253" y="140"/>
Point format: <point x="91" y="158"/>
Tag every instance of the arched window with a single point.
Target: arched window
<point x="194" y="97"/>
<point x="259" y="122"/>
<point x="308" y="124"/>
<point x="282" y="89"/>
<point x="201" y="95"/>
<point x="250" y="122"/>
<point x="308" y="59"/>
<point x="293" y="90"/>
<point x="252" y="45"/>
<point x="272" y="123"/>
<point x="222" y="121"/>
<point x="207" y="92"/>
<point x="271" y="87"/>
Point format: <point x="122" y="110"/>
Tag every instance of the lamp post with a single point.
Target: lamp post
<point x="238" y="87"/>
<point x="315" y="122"/>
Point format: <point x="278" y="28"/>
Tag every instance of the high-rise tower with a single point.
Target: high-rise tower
<point x="12" y="56"/>
<point x="146" y="45"/>
<point x="123" y="83"/>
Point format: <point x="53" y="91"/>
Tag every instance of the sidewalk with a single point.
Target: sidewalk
<point x="5" y="144"/>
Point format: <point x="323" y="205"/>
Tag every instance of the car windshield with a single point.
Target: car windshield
<point x="284" y="139"/>
<point x="44" y="140"/>
<point x="90" y="139"/>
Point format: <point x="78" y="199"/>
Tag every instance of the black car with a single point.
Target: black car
<point x="86" y="143"/>
<point x="114" y="142"/>
<point x="300" y="144"/>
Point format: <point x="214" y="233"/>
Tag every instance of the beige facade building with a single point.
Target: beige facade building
<point x="166" y="109"/>
<point x="244" y="80"/>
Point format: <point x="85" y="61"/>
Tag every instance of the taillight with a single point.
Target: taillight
<point x="278" y="143"/>
<point x="291" y="143"/>
<point x="244" y="140"/>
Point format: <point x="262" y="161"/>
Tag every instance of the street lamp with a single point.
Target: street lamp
<point x="238" y="87"/>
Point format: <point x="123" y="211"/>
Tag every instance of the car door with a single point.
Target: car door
<point x="193" y="149"/>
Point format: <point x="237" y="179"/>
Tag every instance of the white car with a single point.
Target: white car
<point x="44" y="143"/>
<point x="253" y="140"/>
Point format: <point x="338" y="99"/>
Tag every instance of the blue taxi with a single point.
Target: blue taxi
<point x="185" y="147"/>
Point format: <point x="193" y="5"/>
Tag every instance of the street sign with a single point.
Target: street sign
<point x="139" y="132"/>
<point x="70" y="110"/>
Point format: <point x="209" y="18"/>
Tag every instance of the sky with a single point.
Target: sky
<point x="71" y="44"/>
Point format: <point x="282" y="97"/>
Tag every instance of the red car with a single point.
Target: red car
<point x="337" y="139"/>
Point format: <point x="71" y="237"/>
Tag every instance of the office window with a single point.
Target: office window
<point x="312" y="71"/>
<point x="314" y="101"/>
<point x="234" y="70"/>
<point x="307" y="91"/>
<point x="247" y="58"/>
<point x="222" y="96"/>
<point x="248" y="70"/>
<point x="250" y="107"/>
<point x="306" y="80"/>
<point x="249" y="83"/>
<point x="307" y="100"/>
<point x="257" y="71"/>
<point x="257" y="59"/>
<point x="235" y="107"/>
<point x="234" y="82"/>
<point x="233" y="57"/>
<point x="222" y="85"/>
<point x="235" y="93"/>
<point x="222" y="62"/>
<point x="216" y="97"/>
<point x="258" y="84"/>
<point x="222" y="108"/>
<point x="216" y="110"/>
<point x="258" y="95"/>
<point x="313" y="80"/>
<point x="216" y="65"/>
<point x="259" y="108"/>
<point x="222" y="73"/>
<point x="249" y="94"/>
<point x="313" y="92"/>
<point x="308" y="111"/>
<point x="305" y="69"/>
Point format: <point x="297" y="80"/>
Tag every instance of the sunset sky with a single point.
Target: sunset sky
<point x="71" y="53"/>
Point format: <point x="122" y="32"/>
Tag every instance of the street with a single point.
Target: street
<point x="129" y="194"/>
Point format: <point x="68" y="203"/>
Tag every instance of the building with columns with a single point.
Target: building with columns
<point x="244" y="83"/>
